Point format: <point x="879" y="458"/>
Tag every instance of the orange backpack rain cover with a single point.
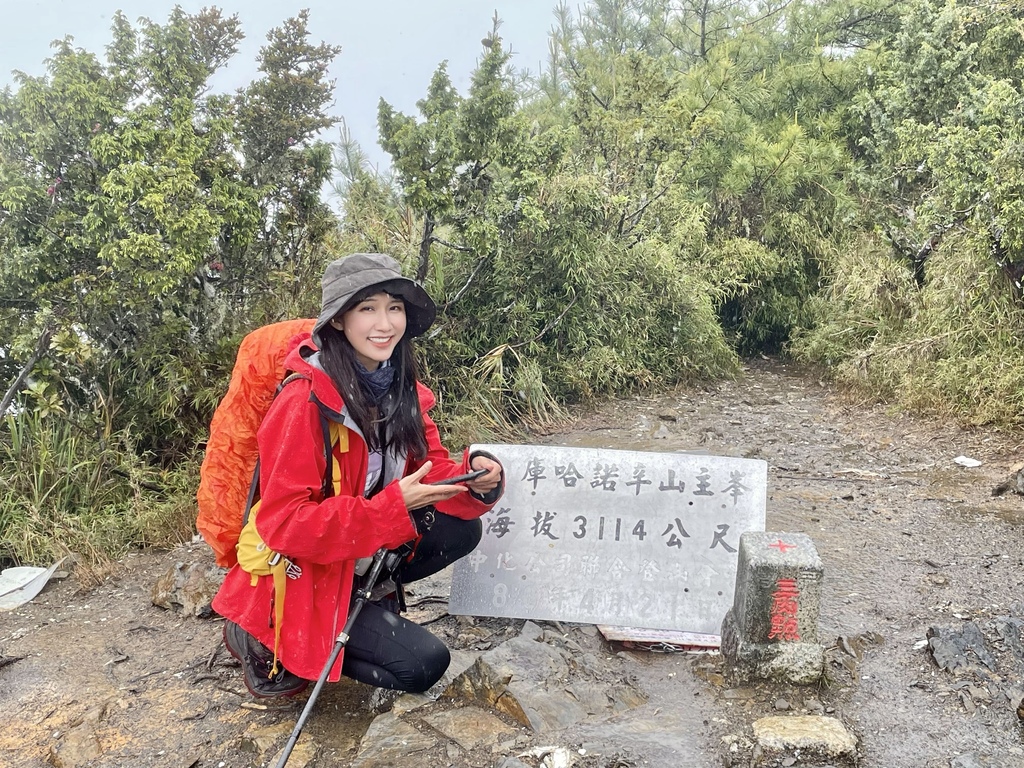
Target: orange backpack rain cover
<point x="231" y="450"/>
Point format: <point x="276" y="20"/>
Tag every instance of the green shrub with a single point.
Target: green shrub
<point x="60" y="494"/>
<point x="954" y="346"/>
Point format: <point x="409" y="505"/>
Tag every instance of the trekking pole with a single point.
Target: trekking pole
<point x="384" y="558"/>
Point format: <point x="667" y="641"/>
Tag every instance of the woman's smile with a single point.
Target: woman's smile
<point x="373" y="327"/>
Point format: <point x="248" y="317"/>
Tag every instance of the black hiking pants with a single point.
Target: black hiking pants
<point x="388" y="651"/>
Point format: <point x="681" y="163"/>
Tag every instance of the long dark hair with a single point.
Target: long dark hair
<point x="399" y="413"/>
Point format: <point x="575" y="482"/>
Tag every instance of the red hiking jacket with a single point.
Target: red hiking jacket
<point x="323" y="537"/>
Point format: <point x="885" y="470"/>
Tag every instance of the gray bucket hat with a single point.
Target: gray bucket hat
<point x="346" y="277"/>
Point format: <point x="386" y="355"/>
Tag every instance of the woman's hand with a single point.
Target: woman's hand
<point x="415" y="494"/>
<point x="485" y="483"/>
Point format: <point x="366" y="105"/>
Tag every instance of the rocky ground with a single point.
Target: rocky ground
<point x="914" y="545"/>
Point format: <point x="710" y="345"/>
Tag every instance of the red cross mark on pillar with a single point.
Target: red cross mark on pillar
<point x="782" y="546"/>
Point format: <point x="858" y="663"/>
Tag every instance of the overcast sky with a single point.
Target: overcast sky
<point x="390" y="48"/>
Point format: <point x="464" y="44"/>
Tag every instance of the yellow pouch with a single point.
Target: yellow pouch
<point x="257" y="559"/>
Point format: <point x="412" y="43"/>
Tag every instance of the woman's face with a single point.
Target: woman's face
<point x="373" y="327"/>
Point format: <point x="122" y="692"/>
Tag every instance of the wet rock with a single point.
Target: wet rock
<point x="389" y="742"/>
<point x="813" y="706"/>
<point x="1012" y="484"/>
<point x="968" y="703"/>
<point x="980" y="694"/>
<point x="529" y="681"/>
<point x="78" y="747"/>
<point x="80" y="744"/>
<point x="188" y="588"/>
<point x="811" y="734"/>
<point x="382" y="700"/>
<point x="532" y="678"/>
<point x="469" y="727"/>
<point x="959" y="648"/>
<point x="732" y="741"/>
<point x="302" y="755"/>
<point x="269" y="742"/>
<point x="1009" y="629"/>
<point x="716" y="679"/>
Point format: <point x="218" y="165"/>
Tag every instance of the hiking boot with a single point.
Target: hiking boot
<point x="257" y="661"/>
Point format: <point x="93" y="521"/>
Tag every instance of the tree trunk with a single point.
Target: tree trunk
<point x="19" y="380"/>
<point x="428" y="238"/>
<point x="704" y="32"/>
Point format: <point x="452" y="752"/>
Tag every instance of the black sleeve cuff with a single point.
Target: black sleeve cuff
<point x="495" y="493"/>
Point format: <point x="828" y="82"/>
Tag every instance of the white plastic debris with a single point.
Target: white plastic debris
<point x="965" y="461"/>
<point x="551" y="757"/>
<point x="20" y="584"/>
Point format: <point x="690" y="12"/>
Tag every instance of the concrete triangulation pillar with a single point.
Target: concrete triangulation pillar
<point x="771" y="631"/>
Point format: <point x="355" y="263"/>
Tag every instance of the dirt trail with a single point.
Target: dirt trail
<point x="909" y="540"/>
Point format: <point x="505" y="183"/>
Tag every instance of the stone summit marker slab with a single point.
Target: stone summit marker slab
<point x="624" y="538"/>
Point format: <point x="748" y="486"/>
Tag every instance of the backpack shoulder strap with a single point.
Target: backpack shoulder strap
<point x="327" y="488"/>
